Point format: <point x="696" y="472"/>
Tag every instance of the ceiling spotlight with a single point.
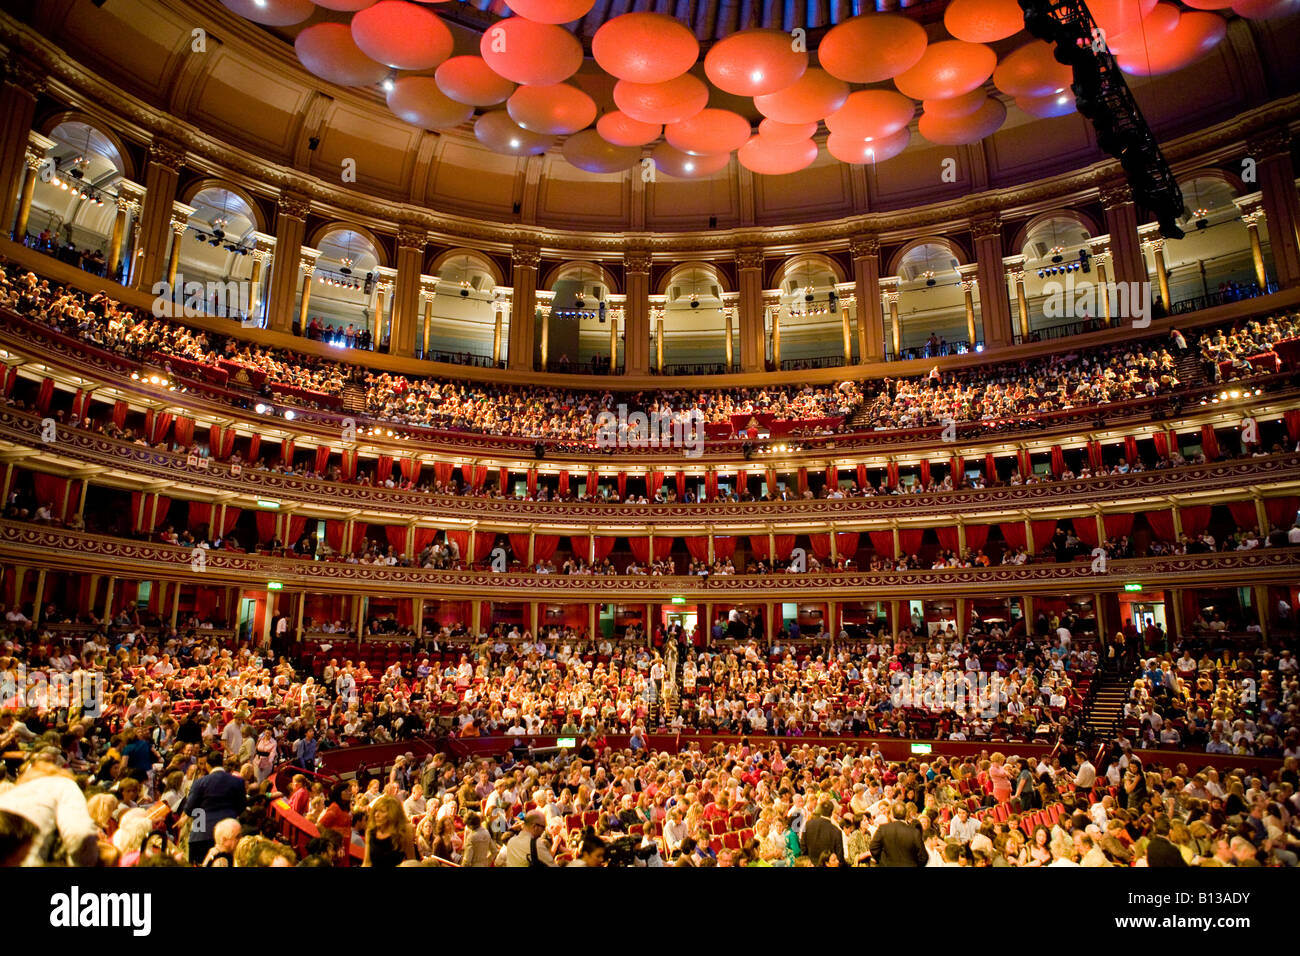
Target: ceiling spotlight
<point x="261" y="408"/>
<point x="388" y="83"/>
<point x="289" y="415"/>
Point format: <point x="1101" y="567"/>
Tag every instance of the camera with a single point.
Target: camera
<point x="625" y="851"/>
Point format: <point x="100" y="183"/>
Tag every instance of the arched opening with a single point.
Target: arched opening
<point x="690" y="319"/>
<point x="580" y="319"/>
<point x="461" y="306"/>
<point x="218" y="243"/>
<point x="931" y="301"/>
<point x="350" y="303"/>
<point x="1217" y="259"/>
<point x="1052" y="246"/>
<point x="806" y="324"/>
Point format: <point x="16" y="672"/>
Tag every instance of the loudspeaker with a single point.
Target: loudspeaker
<point x="539" y="451"/>
<point x="713" y="222"/>
<point x="313" y="142"/>
<point x="517" y="208"/>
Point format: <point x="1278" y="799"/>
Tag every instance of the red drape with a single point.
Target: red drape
<point x="1282" y="511"/>
<point x="1025" y="461"/>
<point x="183" y="431"/>
<point x="1161" y="440"/>
<point x="120" y="409"/>
<point x="349" y="465"/>
<point x="232" y="519"/>
<point x="563" y="486"/>
<point x="519" y="547"/>
<point x="1131" y="449"/>
<point x="265" y="526"/>
<point x="602" y="547"/>
<point x="622" y="486"/>
<point x="698" y="546"/>
<point x="770" y="479"/>
<point x="724" y="546"/>
<point x="1292" y="419"/>
<point x="480" y="473"/>
<point x="55" y="492"/>
<point x="663" y="548"/>
<point x="287" y="449"/>
<point x="1094" y="455"/>
<point x="681" y="485"/>
<point x="891" y="475"/>
<point x="161" y="425"/>
<point x="532" y="482"/>
<point x="1243" y="513"/>
<point x="442" y="472"/>
<point x="503" y="480"/>
<point x="297" y="525"/>
<point x="334" y="534"/>
<point x="411" y="468"/>
<point x="1118" y="525"/>
<point x="977" y="535"/>
<point x="742" y="481"/>
<point x="640" y="548"/>
<point x="801" y="479"/>
<point x="396" y="535"/>
<point x="758" y="546"/>
<point x="1013" y="533"/>
<point x="990" y="468"/>
<point x="654" y="481"/>
<point x="11" y="380"/>
<point x="832" y="477"/>
<point x="882" y="542"/>
<point x="383" y="469"/>
<point x="1209" y="443"/>
<point x="947" y="537"/>
<point x="544" y="546"/>
<point x="1196" y="518"/>
<point x="199" y="515"/>
<point x="44" y="396"/>
<point x="862" y="476"/>
<point x="784" y="545"/>
<point x="1058" y="461"/>
<point x="821" y="545"/>
<point x="322" y="459"/>
<point x="1085" y="529"/>
<point x="957" y="466"/>
<point x="910" y="540"/>
<point x="925" y="473"/>
<point x="254" y="448"/>
<point x="593" y="479"/>
<point x="1162" y="524"/>
<point x="846" y="544"/>
<point x="711" y="485"/>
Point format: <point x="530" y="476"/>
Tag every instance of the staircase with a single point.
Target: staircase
<point x="354" y="399"/>
<point x="1108" y="700"/>
<point x="1191" y="372"/>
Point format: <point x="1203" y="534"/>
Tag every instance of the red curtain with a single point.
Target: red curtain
<point x="396" y="535"/>
<point x="770" y="479"/>
<point x="821" y="545"/>
<point x="349" y="465"/>
<point x="120" y="409"/>
<point x="503" y="480"/>
<point x="423" y="538"/>
<point x="742" y="482"/>
<point x="563" y="486"/>
<point x="604" y="544"/>
<point x="724" y="546"/>
<point x="977" y="535"/>
<point x="161" y="425"/>
<point x="958" y="466"/>
<point x="297" y="525"/>
<point x="1282" y="511"/>
<point x="334" y="534"/>
<point x="681" y="485"/>
<point x="622" y="486"/>
<point x="442" y="472"/>
<point x="758" y="546"/>
<point x="480" y="473"/>
<point x="654" y="481"/>
<point x="925" y="473"/>
<point x="640" y="549"/>
<point x="44" y="396"/>
<point x="1161" y="441"/>
<point x="183" y="431"/>
<point x="383" y="469"/>
<point x="54" y="492"/>
<point x="1013" y="533"/>
<point x="1292" y="419"/>
<point x="862" y="476"/>
<point x="531" y="483"/>
<point x="254" y="448"/>
<point x="1025" y="461"/>
<point x="411" y="468"/>
<point x="698" y="546"/>
<point x="947" y="537"/>
<point x="802" y="480"/>
<point x="784" y="545"/>
<point x="1243" y="513"/>
<point x="663" y="548"/>
<point x="11" y="379"/>
<point x="1044" y="531"/>
<point x="544" y="546"/>
<point x="1209" y="443"/>
<point x="519" y="547"/>
<point x="882" y="542"/>
<point x="1196" y="518"/>
<point x="990" y="468"/>
<point x="1094" y="455"/>
<point x="1058" y="461"/>
<point x="711" y="485"/>
<point x="215" y="435"/>
<point x="1131" y="449"/>
<point x="265" y="526"/>
<point x="593" y="479"/>
<point x="199" y="515"/>
<point x="287" y="449"/>
<point x="891" y="475"/>
<point x="322" y="459"/>
<point x="910" y="540"/>
<point x="1085" y="529"/>
<point x="1118" y="525"/>
<point x="1162" y="524"/>
<point x="232" y="519"/>
<point x="846" y="544"/>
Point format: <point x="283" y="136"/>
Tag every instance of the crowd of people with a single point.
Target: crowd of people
<point x="989" y="393"/>
<point x="175" y="760"/>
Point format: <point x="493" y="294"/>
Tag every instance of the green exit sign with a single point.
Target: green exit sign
<point x="679" y="600"/>
<point x="273" y="585"/>
<point x="1132" y="587"/>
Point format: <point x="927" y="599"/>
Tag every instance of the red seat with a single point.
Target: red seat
<point x="719" y="827"/>
<point x="731" y="840"/>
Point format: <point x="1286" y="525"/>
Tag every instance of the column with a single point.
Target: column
<point x="532" y="619"/>
<point x="496" y="337"/>
<point x="426" y="295"/>
<point x="302" y="606"/>
<point x="636" y="330"/>
<point x="23" y="84"/>
<point x="546" y="335"/>
<point x="1260" y="595"/>
<point x="31" y="171"/>
<point x="306" y="267"/>
<point x="1100" y="252"/>
<point x="290" y="233"/>
<point x="968" y="299"/>
<point x="995" y="306"/>
<point x="1176" y="597"/>
<point x="127" y="207"/>
<point x="162" y="173"/>
<point x="1100" y="610"/>
<point x="39" y="598"/>
<point x="1015" y="266"/>
<point x="848" y="341"/>
<point x="890" y="286"/>
<point x="261" y="259"/>
<point x="1162" y="275"/>
<point x="411" y="241"/>
<point x="776" y="335"/>
<point x="108" y="597"/>
<point x="865" y="251"/>
<point x="613" y="340"/>
<point x="749" y="267"/>
<point x="1251" y="219"/>
<point x="659" y="343"/>
<point x="176" y="603"/>
<point x="731" y="341"/>
<point x="377" y="338"/>
<point x="178" y="227"/>
<point x="524" y="260"/>
<point x="1121" y="223"/>
<point x="1272" y="153"/>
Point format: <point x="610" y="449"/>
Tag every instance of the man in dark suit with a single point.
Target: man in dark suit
<point x="898" y="843"/>
<point x="821" y="837"/>
<point x="1160" y="851"/>
<point x="220" y="795"/>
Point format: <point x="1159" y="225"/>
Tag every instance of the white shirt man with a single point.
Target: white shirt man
<point x="1085" y="776"/>
<point x="963" y="826"/>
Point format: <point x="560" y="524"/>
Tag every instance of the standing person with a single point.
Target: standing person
<point x="479" y="848"/>
<point x="48" y="798"/>
<point x="389" y="836"/>
<point x="220" y="795"/>
<point x="527" y="848"/>
<point x="821" y="836"/>
<point x="898" y="843"/>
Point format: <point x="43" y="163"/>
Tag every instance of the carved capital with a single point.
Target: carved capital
<point x="167" y="155"/>
<point x="636" y="261"/>
<point x="749" y="259"/>
<point x="860" y="247"/>
<point x="34" y="159"/>
<point x="1157" y="245"/>
<point x="179" y="225"/>
<point x="1253" y="218"/>
<point x="412" y="237"/>
<point x="525" y="257"/>
<point x="986" y="229"/>
<point x="1115" y="194"/>
<point x="1269" y="142"/>
<point x="293" y="207"/>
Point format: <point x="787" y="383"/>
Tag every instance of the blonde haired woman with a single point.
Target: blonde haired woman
<point x="999" y="778"/>
<point x="389" y="837"/>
